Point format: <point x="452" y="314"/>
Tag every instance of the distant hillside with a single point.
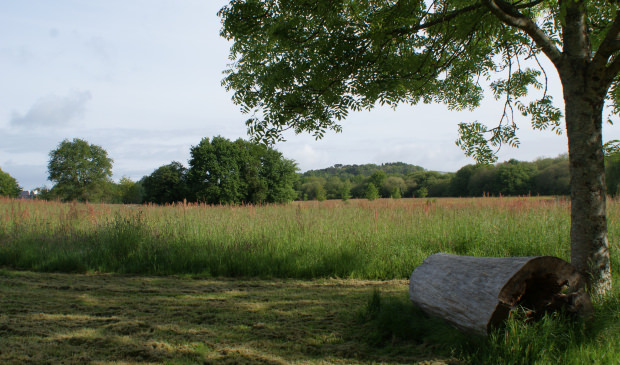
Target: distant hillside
<point x="348" y="171"/>
<point x="544" y="176"/>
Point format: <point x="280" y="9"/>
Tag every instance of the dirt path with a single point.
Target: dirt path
<point x="99" y="319"/>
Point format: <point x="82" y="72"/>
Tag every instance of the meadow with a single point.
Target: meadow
<point x="343" y="266"/>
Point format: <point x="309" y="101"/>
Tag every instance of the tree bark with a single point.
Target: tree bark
<point x="475" y="294"/>
<point x="589" y="244"/>
<point x="585" y="86"/>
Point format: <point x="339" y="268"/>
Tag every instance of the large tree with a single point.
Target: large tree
<point x="226" y="172"/>
<point x="214" y="174"/>
<point x="80" y="170"/>
<point x="304" y="64"/>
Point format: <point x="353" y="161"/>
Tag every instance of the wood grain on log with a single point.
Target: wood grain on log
<point x="476" y="294"/>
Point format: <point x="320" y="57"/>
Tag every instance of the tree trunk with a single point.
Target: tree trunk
<point x="585" y="81"/>
<point x="584" y="99"/>
<point x="475" y="294"/>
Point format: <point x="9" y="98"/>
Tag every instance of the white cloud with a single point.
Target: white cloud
<point x="53" y="111"/>
<point x="307" y="156"/>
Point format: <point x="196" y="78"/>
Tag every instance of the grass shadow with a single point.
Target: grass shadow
<point x="80" y="318"/>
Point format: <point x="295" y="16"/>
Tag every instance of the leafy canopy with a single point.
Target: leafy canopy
<point x="304" y="64"/>
<point x="167" y="184"/>
<point x="226" y="172"/>
<point x="79" y="169"/>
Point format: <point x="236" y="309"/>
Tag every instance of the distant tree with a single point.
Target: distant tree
<point x="276" y="175"/>
<point x="421" y="192"/>
<point x="396" y="194"/>
<point x="130" y="192"/>
<point x="514" y="178"/>
<point x="43" y="193"/>
<point x="333" y="187"/>
<point x="377" y="178"/>
<point x="440" y="187"/>
<point x="320" y="193"/>
<point x="313" y="188"/>
<point x="110" y="192"/>
<point x="8" y="185"/>
<point x="80" y="170"/>
<point x="166" y="185"/>
<point x="393" y="187"/>
<point x="427" y="180"/>
<point x="459" y="185"/>
<point x="372" y="192"/>
<point x="552" y="177"/>
<point x="358" y="187"/>
<point x="350" y="171"/>
<point x="226" y="172"/>
<point x="214" y="174"/>
<point x="483" y="181"/>
<point x="345" y="193"/>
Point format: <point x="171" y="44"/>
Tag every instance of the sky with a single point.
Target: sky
<point x="142" y="79"/>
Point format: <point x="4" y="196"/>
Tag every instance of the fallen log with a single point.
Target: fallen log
<point x="475" y="294"/>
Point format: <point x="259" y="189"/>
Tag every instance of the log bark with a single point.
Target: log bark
<point x="476" y="294"/>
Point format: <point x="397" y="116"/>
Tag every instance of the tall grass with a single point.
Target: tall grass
<point x="392" y="322"/>
<point x="382" y="239"/>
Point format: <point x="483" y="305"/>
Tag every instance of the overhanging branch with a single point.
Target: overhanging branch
<point x="440" y="19"/>
<point x="511" y="15"/>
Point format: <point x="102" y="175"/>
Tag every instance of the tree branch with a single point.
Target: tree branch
<point x="441" y="19"/>
<point x="610" y="43"/>
<point x="453" y="14"/>
<point x="511" y="15"/>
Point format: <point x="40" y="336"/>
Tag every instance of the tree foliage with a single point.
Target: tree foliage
<point x="130" y="192"/>
<point x="304" y="65"/>
<point x="547" y="176"/>
<point x="80" y="170"/>
<point x="8" y="185"/>
<point x="371" y="191"/>
<point x="226" y="172"/>
<point x="167" y="184"/>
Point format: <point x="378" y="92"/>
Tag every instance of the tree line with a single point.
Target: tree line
<point x="234" y="172"/>
<point x="544" y="176"/>
<point x="220" y="172"/>
<point x="224" y="172"/>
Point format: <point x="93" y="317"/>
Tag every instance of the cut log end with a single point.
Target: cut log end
<point x="476" y="294"/>
<point x="547" y="284"/>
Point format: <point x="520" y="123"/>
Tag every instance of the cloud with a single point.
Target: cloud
<point x="21" y="56"/>
<point x="53" y="111"/>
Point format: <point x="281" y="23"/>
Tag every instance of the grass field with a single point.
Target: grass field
<point x="301" y="283"/>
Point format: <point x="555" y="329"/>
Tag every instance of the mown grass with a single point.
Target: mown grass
<point x="353" y="240"/>
<point x="102" y="318"/>
<point x="119" y="319"/>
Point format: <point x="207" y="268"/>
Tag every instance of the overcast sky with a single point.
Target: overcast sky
<point x="142" y="79"/>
